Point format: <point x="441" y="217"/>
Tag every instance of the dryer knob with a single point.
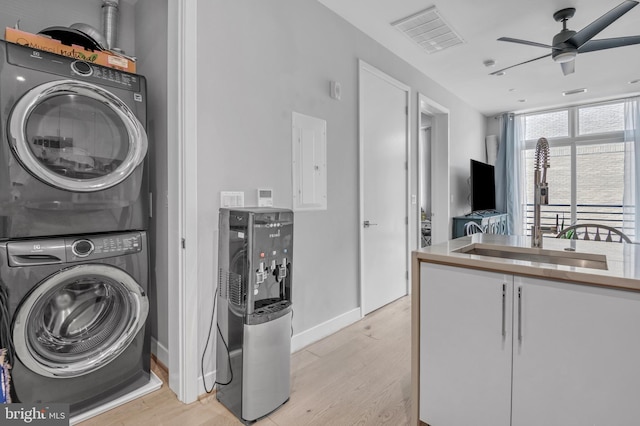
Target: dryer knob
<point x="82" y="248"/>
<point x="81" y="68"/>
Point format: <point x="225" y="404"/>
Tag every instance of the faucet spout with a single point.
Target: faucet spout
<point x="541" y="192"/>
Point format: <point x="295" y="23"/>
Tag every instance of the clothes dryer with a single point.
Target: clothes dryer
<point x="79" y="307"/>
<point x="73" y="146"/>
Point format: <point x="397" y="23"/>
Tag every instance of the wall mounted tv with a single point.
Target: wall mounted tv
<point x="483" y="187"/>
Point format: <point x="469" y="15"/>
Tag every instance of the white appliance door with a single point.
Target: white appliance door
<point x="76" y="136"/>
<point x="78" y="320"/>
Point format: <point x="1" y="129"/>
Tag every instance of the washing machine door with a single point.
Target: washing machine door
<point x="76" y="136"/>
<point x="78" y="320"/>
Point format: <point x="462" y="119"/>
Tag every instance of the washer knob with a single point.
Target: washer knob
<point x="82" y="248"/>
<point x="81" y="68"/>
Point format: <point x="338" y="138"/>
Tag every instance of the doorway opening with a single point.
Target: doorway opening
<point x="434" y="203"/>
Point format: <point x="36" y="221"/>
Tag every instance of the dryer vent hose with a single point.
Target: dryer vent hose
<point x="110" y="22"/>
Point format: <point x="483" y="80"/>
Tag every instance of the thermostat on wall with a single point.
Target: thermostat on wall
<point x="265" y="198"/>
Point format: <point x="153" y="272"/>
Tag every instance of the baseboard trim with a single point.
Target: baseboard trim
<point x="210" y="378"/>
<point x="325" y="329"/>
<point x="161" y="353"/>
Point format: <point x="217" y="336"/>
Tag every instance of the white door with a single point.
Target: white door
<point x="575" y="356"/>
<point x="383" y="188"/>
<point x="465" y="346"/>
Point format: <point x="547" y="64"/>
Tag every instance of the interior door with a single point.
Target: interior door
<point x="383" y="188"/>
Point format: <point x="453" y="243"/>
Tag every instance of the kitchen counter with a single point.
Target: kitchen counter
<point x="622" y="273"/>
<point x="623" y="260"/>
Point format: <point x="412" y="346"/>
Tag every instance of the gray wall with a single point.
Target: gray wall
<point x="259" y="62"/>
<point x="151" y="36"/>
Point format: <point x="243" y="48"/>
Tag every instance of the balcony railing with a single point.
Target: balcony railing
<point x="605" y="214"/>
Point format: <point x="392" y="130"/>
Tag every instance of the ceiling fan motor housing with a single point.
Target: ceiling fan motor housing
<point x="563" y="51"/>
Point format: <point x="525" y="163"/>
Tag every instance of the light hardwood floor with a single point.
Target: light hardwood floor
<point x="357" y="376"/>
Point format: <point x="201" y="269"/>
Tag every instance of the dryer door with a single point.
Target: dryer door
<point x="76" y="136"/>
<point x="78" y="320"/>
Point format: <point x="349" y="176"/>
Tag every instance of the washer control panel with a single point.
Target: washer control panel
<point x="101" y="246"/>
<point x="76" y="249"/>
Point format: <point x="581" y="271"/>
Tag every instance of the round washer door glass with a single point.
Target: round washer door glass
<point x="78" y="320"/>
<point x="76" y="136"/>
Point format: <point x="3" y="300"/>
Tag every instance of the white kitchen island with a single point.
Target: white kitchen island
<point x="508" y="341"/>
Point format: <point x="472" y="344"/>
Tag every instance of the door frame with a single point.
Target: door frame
<point x="440" y="158"/>
<point x="365" y="67"/>
<point x="182" y="200"/>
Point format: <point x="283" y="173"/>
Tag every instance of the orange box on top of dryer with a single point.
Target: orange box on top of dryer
<point x="47" y="44"/>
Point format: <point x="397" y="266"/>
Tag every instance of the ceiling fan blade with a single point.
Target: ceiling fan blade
<point x="528" y="43"/>
<point x="588" y="32"/>
<point x="568" y="67"/>
<point x="608" y="43"/>
<point x="521" y="63"/>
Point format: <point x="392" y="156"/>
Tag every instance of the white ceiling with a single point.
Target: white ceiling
<point x="605" y="74"/>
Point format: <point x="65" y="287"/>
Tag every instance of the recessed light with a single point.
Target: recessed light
<point x="489" y="63"/>
<point x="634" y="81"/>
<point x="574" y="92"/>
<point x="20" y="78"/>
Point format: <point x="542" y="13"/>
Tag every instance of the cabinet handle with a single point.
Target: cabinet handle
<point x="520" y="314"/>
<point x="504" y="311"/>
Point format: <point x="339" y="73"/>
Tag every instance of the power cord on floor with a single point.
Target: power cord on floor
<point x="204" y="351"/>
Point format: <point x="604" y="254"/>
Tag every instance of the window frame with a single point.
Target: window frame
<point x="573" y="140"/>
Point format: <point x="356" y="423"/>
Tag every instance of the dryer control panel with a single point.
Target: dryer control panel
<point x="63" y="250"/>
<point x="71" y="68"/>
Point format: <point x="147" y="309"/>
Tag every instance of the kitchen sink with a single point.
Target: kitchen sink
<point x="554" y="257"/>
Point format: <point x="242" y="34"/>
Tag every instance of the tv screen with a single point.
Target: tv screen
<point x="483" y="186"/>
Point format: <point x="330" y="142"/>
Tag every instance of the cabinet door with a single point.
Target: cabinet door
<point x="576" y="352"/>
<point x="465" y="346"/>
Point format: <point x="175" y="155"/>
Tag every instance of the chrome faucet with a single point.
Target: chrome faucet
<point x="541" y="192"/>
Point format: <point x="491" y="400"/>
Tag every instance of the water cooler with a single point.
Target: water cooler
<point x="253" y="356"/>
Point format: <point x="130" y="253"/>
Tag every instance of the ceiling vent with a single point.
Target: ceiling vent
<point x="428" y="30"/>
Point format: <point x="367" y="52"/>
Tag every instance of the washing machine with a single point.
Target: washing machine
<point x="73" y="146"/>
<point x="79" y="309"/>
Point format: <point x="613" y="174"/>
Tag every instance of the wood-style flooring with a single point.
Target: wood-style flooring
<point x="357" y="376"/>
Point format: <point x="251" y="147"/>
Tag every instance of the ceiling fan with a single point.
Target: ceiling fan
<point x="567" y="43"/>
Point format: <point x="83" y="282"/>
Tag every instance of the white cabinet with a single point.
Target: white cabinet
<point x="576" y="362"/>
<point x="465" y="346"/>
<point x="568" y="354"/>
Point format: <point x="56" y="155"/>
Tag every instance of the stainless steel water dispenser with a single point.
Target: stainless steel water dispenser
<point x="253" y="356"/>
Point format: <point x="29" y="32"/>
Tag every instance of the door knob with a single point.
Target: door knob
<point x="367" y="224"/>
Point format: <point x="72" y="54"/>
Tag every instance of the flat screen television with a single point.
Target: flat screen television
<point x="483" y="186"/>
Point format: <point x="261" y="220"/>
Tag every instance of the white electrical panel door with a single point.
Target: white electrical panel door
<point x="309" y="143"/>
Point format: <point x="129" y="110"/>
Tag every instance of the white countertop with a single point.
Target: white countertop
<point x="623" y="260"/>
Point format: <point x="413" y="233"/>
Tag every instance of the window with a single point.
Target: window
<point x="586" y="173"/>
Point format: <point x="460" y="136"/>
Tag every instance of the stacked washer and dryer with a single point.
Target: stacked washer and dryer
<point x="74" y="208"/>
